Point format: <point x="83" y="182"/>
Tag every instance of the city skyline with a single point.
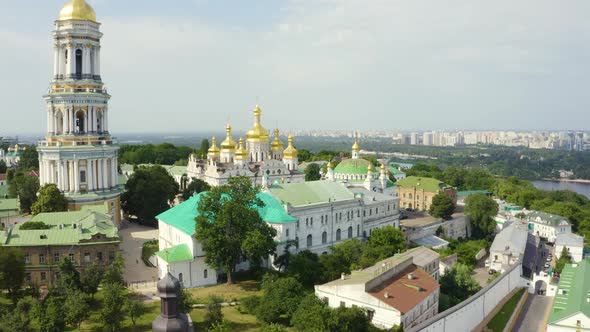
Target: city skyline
<point x="337" y="64"/>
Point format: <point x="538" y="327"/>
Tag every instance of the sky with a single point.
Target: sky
<point x="194" y="65"/>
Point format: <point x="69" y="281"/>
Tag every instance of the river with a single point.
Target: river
<point x="580" y="188"/>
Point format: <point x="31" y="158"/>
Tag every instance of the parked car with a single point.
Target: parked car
<point x="548" y="259"/>
<point x="491" y="271"/>
<point x="547" y="265"/>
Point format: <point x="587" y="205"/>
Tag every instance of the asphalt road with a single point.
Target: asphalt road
<point x="533" y="317"/>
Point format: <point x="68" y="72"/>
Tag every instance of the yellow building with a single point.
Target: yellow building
<point x="417" y="192"/>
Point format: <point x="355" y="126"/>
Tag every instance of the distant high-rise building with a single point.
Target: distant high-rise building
<point x="570" y="141"/>
<point x="413" y="138"/>
<point x="579" y="141"/>
<point x="427" y="139"/>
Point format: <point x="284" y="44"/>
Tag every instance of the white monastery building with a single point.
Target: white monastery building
<point x="315" y="214"/>
<point x="78" y="153"/>
<point x="394" y="291"/>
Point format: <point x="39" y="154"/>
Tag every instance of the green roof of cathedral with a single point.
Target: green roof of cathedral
<point x="314" y="192"/>
<point x="183" y="215"/>
<point x="427" y="184"/>
<point x="352" y="166"/>
<point x="179" y="253"/>
<point x="88" y="223"/>
<point x="395" y="171"/>
<point x="572" y="292"/>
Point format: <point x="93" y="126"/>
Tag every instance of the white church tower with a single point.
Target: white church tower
<point x="78" y="153"/>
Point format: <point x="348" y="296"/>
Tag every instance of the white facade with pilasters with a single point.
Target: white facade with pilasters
<point x="78" y="153"/>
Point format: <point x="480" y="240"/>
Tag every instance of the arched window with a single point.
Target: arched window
<point x="79" y="64"/>
<point x="358" y="230"/>
<point x="83" y="176"/>
<point x="59" y="123"/>
<point x="287" y="233"/>
<point x="324" y="237"/>
<point x="338" y="234"/>
<point x="350" y="232"/>
<point x="309" y="240"/>
<point x="80" y="122"/>
<point x="205" y="273"/>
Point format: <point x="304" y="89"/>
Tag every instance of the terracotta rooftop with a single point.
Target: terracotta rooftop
<point x="403" y="293"/>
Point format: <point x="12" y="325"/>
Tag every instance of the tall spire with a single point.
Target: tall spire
<point x="356" y="147"/>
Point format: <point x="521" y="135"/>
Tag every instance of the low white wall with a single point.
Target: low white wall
<point x="469" y="313"/>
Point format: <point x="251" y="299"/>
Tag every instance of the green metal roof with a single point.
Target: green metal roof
<point x="352" y="166"/>
<point x="88" y="223"/>
<point x="546" y="218"/>
<point x="183" y="215"/>
<point x="471" y="192"/>
<point x="3" y="191"/>
<point x="573" y="292"/>
<point x="179" y="253"/>
<point x="314" y="192"/>
<point x="9" y="204"/>
<point x="395" y="171"/>
<point x="427" y="184"/>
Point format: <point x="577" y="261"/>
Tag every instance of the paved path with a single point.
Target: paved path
<point x="134" y="237"/>
<point x="533" y="317"/>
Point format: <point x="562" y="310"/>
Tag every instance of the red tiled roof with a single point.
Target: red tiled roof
<point x="404" y="293"/>
<point x="2" y="177"/>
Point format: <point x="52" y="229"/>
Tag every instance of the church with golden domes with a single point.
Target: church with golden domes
<point x="263" y="160"/>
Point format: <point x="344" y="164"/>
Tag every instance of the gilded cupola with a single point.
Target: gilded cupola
<point x="257" y="133"/>
<point x="276" y="144"/>
<point x="228" y="145"/>
<point x="241" y="152"/>
<point x="213" y="151"/>
<point x="77" y="10"/>
<point x="290" y="151"/>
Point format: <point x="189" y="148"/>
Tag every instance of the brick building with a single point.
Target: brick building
<point x="417" y="192"/>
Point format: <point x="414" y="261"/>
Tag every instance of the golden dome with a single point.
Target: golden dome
<point x="290" y="151"/>
<point x="213" y="150"/>
<point x="228" y="145"/>
<point x="370" y="167"/>
<point x="257" y="133"/>
<point x="356" y="147"/>
<point x="329" y="165"/>
<point x="77" y="10"/>
<point x="241" y="153"/>
<point x="276" y="144"/>
<point x="382" y="167"/>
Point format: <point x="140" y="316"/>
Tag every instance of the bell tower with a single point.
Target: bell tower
<point x="78" y="153"/>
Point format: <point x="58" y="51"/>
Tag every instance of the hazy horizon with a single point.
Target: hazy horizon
<point x="194" y="65"/>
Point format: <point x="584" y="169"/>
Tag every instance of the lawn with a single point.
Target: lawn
<point x="498" y="323"/>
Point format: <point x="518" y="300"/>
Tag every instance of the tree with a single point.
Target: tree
<point x="312" y="172"/>
<point x="280" y="297"/>
<point x="112" y="313"/>
<point x="90" y="279"/>
<point x="49" y="315"/>
<point x="213" y="315"/>
<point x="19" y="319"/>
<point x="230" y="228"/>
<point x="12" y="271"/>
<point x="481" y="209"/>
<point x="69" y="278"/>
<point x="273" y="327"/>
<point x="311" y="315"/>
<point x="114" y="272"/>
<point x="135" y="309"/>
<point x="50" y="199"/>
<point x="383" y="243"/>
<point x="185" y="301"/>
<point x="76" y="308"/>
<point x="564" y="258"/>
<point x="458" y="284"/>
<point x="34" y="225"/>
<point x="345" y="319"/>
<point x="3" y="166"/>
<point x="442" y="206"/>
<point x="29" y="159"/>
<point x="147" y="192"/>
<point x="306" y="268"/>
<point x="204" y="148"/>
<point x="25" y="188"/>
<point x="196" y="186"/>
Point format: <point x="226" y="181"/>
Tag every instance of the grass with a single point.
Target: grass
<point x="229" y="293"/>
<point x="498" y="323"/>
<point x="148" y="249"/>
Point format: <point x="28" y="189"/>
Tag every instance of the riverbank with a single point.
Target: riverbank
<point x="568" y="180"/>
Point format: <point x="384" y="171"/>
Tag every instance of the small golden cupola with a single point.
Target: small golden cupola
<point x="77" y="10"/>
<point x="228" y="145"/>
<point x="241" y="152"/>
<point x="257" y="133"/>
<point x="356" y="147"/>
<point x="276" y="144"/>
<point x="213" y="151"/>
<point x="290" y="152"/>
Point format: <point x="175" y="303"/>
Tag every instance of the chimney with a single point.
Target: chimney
<point x="386" y="295"/>
<point x="343" y="276"/>
<point x="410" y="276"/>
